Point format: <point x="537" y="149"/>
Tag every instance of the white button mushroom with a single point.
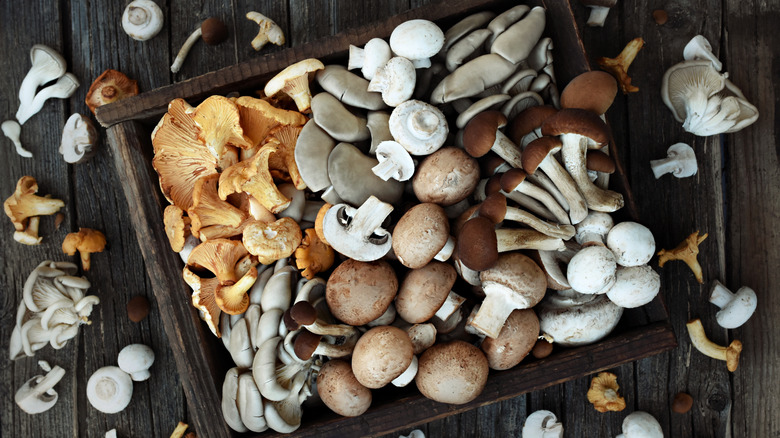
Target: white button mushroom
<point x="142" y="20"/>
<point x="373" y="56"/>
<point x="592" y="270"/>
<point x="640" y="424"/>
<point x="135" y="359"/>
<point x="632" y="243"/>
<point x="594" y="228"/>
<point x="634" y="286"/>
<point x="680" y="161"/>
<point x="109" y="389"/>
<point x="417" y="41"/>
<point x="78" y="139"/>
<point x="736" y="308"/>
<point x="570" y="319"/>
<point x="542" y="424"/>
<point x="395" y="80"/>
<point x="37" y="394"/>
<point x="419" y="127"/>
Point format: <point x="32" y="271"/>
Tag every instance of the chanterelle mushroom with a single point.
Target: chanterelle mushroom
<point x="23" y="206"/>
<point x="86" y="241"/>
<point x="619" y="66"/>
<point x="269" y="31"/>
<point x="603" y="393"/>
<point x="686" y="251"/>
<point x="110" y="86"/>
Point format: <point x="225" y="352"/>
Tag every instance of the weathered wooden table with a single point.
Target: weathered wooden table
<point x="735" y="197"/>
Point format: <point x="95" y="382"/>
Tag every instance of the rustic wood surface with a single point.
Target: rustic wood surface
<point x="734" y="197"/>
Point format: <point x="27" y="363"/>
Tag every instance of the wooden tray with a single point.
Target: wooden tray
<point x="200" y="357"/>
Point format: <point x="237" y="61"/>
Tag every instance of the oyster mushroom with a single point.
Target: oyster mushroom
<point x="472" y="78"/>
<point x="62" y="89"/>
<point x="47" y="65"/>
<point x="516" y="42"/>
<point x="110" y="86"/>
<point x="349" y="88"/>
<point x="687" y="90"/>
<point x="13" y="130"/>
<point x="294" y="82"/>
<point x="311" y="156"/>
<point x="213" y="30"/>
<point x="142" y="20"/>
<point x="86" y="242"/>
<point x="335" y="119"/>
<point x="700" y="48"/>
<point x="79" y="137"/>
<point x="269" y="31"/>
<point x="350" y="172"/>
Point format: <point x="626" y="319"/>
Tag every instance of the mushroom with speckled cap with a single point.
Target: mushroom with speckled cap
<point x="423" y="291"/>
<point x="453" y="372"/>
<point x="514" y="341"/>
<point x="340" y="390"/>
<point x="446" y="177"/>
<point x="360" y="292"/>
<point x="380" y="355"/>
<point x="422" y="234"/>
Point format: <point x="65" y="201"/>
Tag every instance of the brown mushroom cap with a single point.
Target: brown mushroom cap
<point x="514" y="342"/>
<point x="577" y="121"/>
<point x="528" y="120"/>
<point x="477" y="244"/>
<point x="493" y="207"/>
<point x="480" y="133"/>
<point x="110" y="86"/>
<point x="446" y="177"/>
<point x="306" y="344"/>
<point x="360" y="292"/>
<point x="599" y="161"/>
<point x="214" y="31"/>
<point x="424" y="290"/>
<point x="518" y="273"/>
<point x="452" y="372"/>
<point x="594" y="91"/>
<point x="538" y="150"/>
<point x="511" y="179"/>
<point x="340" y="390"/>
<point x="420" y="234"/>
<point x="381" y="355"/>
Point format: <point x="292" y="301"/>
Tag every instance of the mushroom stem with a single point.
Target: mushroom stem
<point x="515" y="239"/>
<point x="619" y="66"/>
<point x="185" y="49"/>
<point x="62" y="89"/>
<point x="445" y="252"/>
<point x="700" y="341"/>
<point x="686" y="251"/>
<point x="574" y="152"/>
<point x="598" y="15"/>
<point x="13" y="130"/>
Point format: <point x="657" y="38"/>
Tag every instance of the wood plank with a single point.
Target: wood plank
<point x="752" y="178"/>
<point x="197" y="370"/>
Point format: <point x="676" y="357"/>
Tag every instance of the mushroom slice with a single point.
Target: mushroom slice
<point x="254" y="177"/>
<point x="258" y="117"/>
<point x="110" y="86"/>
<point x="357" y="233"/>
<point x="294" y="82"/>
<point x="219" y="123"/>
<point x="208" y="209"/>
<point x="78" y="139"/>
<point x="394" y="162"/>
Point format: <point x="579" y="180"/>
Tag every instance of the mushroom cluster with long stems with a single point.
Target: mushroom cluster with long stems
<point x="402" y="193"/>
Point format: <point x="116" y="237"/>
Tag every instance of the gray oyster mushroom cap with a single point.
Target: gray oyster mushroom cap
<point x="349" y="88"/>
<point x="379" y="126"/>
<point x="505" y="19"/>
<point x="573" y="319"/>
<point x="335" y="119"/>
<point x="472" y="78"/>
<point x="517" y="41"/>
<point x="467" y="47"/>
<point x="230" y="401"/>
<point x="354" y="181"/>
<point x="250" y="404"/>
<point x="464" y="27"/>
<point x="311" y="156"/>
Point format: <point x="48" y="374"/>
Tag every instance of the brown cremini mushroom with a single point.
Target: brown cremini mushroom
<point x="603" y="393"/>
<point x="686" y="251"/>
<point x="110" y="86"/>
<point x="424" y="291"/>
<point x="340" y="390"/>
<point x="619" y="66"/>
<point x="446" y="177"/>
<point x="213" y="30"/>
<point x="453" y="372"/>
<point x="421" y="235"/>
<point x="516" y="339"/>
<point x="23" y="208"/>
<point x="381" y="355"/>
<point x="86" y="241"/>
<point x="360" y="292"/>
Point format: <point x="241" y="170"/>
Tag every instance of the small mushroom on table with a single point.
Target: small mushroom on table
<point x="110" y="86"/>
<point x="142" y="20"/>
<point x="85" y="242"/>
<point x="135" y="360"/>
<point x="640" y="424"/>
<point x="37" y="394"/>
<point x="213" y="30"/>
<point x="736" y="307"/>
<point x="269" y="31"/>
<point x="109" y="389"/>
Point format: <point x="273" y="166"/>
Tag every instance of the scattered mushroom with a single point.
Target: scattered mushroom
<point x="680" y="161"/>
<point x="619" y="66"/>
<point x="135" y="360"/>
<point x="394" y="162"/>
<point x="700" y="48"/>
<point x="418" y="126"/>
<point x="634" y="286"/>
<point x="62" y="89"/>
<point x="213" y="30"/>
<point x="417" y="41"/>
<point x="13" y="130"/>
<point x="373" y="56"/>
<point x="79" y="137"/>
<point x="37" y="394"/>
<point x="142" y="20"/>
<point x="24" y="206"/>
<point x="86" y="242"/>
<point x="47" y="65"/>
<point x="686" y="251"/>
<point x="138" y="308"/>
<point x="640" y="424"/>
<point x="110" y="86"/>
<point x="603" y="393"/>
<point x="109" y="389"/>
<point x="599" y="9"/>
<point x="542" y="424"/>
<point x="699" y="340"/>
<point x="269" y="31"/>
<point x="736" y="307"/>
<point x="682" y="403"/>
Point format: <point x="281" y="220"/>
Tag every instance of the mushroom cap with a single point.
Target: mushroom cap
<point x="142" y="19"/>
<point x="632" y="243"/>
<point x="599" y="161"/>
<point x="634" y="286"/>
<point x="340" y="390"/>
<point x="473" y="78"/>
<point x="480" y="133"/>
<point x="424" y="290"/>
<point x="592" y="270"/>
<point x="418" y="126"/>
<point x="573" y="319"/>
<point x="686" y="79"/>
<point x="518" y="276"/>
<point x="78" y="139"/>
<point x="359" y="292"/>
<point x="110" y="86"/>
<point x="214" y="31"/>
<point x="258" y="117"/>
<point x="446" y="177"/>
<point x="272" y="241"/>
<point x="219" y="121"/>
<point x="348" y="87"/>
<point x="136" y="358"/>
<point x="537" y="151"/>
<point x="338" y="121"/>
<point x="578" y="121"/>
<point x="416" y="39"/>
<point x="350" y="173"/>
<point x="109" y="389"/>
<point x="381" y="355"/>
<point x="395" y="80"/>
<point x="640" y="424"/>
<point x="294" y="81"/>
<point x="595" y="223"/>
<point x="420" y="234"/>
<point x="311" y="155"/>
<point x="466" y="26"/>
<point x="516" y="339"/>
<point x="593" y="91"/>
<point x="453" y="372"/>
<point x="86" y="240"/>
<point x="219" y="256"/>
<point x="478" y="244"/>
<point x="528" y="120"/>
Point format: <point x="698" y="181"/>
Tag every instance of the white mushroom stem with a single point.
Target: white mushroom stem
<point x="13" y="130"/>
<point x="700" y="48"/>
<point x="269" y="31"/>
<point x="573" y="152"/>
<point x="37" y="394"/>
<point x="450" y="306"/>
<point x="598" y="15"/>
<point x="699" y="340"/>
<point x="407" y="376"/>
<point x="736" y="308"/>
<point x="445" y="252"/>
<point x="542" y="424"/>
<point x="62" y="89"/>
<point x="47" y="65"/>
<point x="185" y="49"/>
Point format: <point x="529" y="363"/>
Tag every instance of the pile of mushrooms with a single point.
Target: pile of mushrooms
<point x="402" y="194"/>
<point x="53" y="308"/>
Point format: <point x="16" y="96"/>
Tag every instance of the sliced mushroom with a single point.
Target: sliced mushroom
<point x="357" y="233"/>
<point x="78" y="139"/>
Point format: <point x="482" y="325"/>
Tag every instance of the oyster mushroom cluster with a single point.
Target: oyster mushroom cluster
<point x="703" y="98"/>
<point x="402" y="193"/>
<point x="53" y="308"/>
